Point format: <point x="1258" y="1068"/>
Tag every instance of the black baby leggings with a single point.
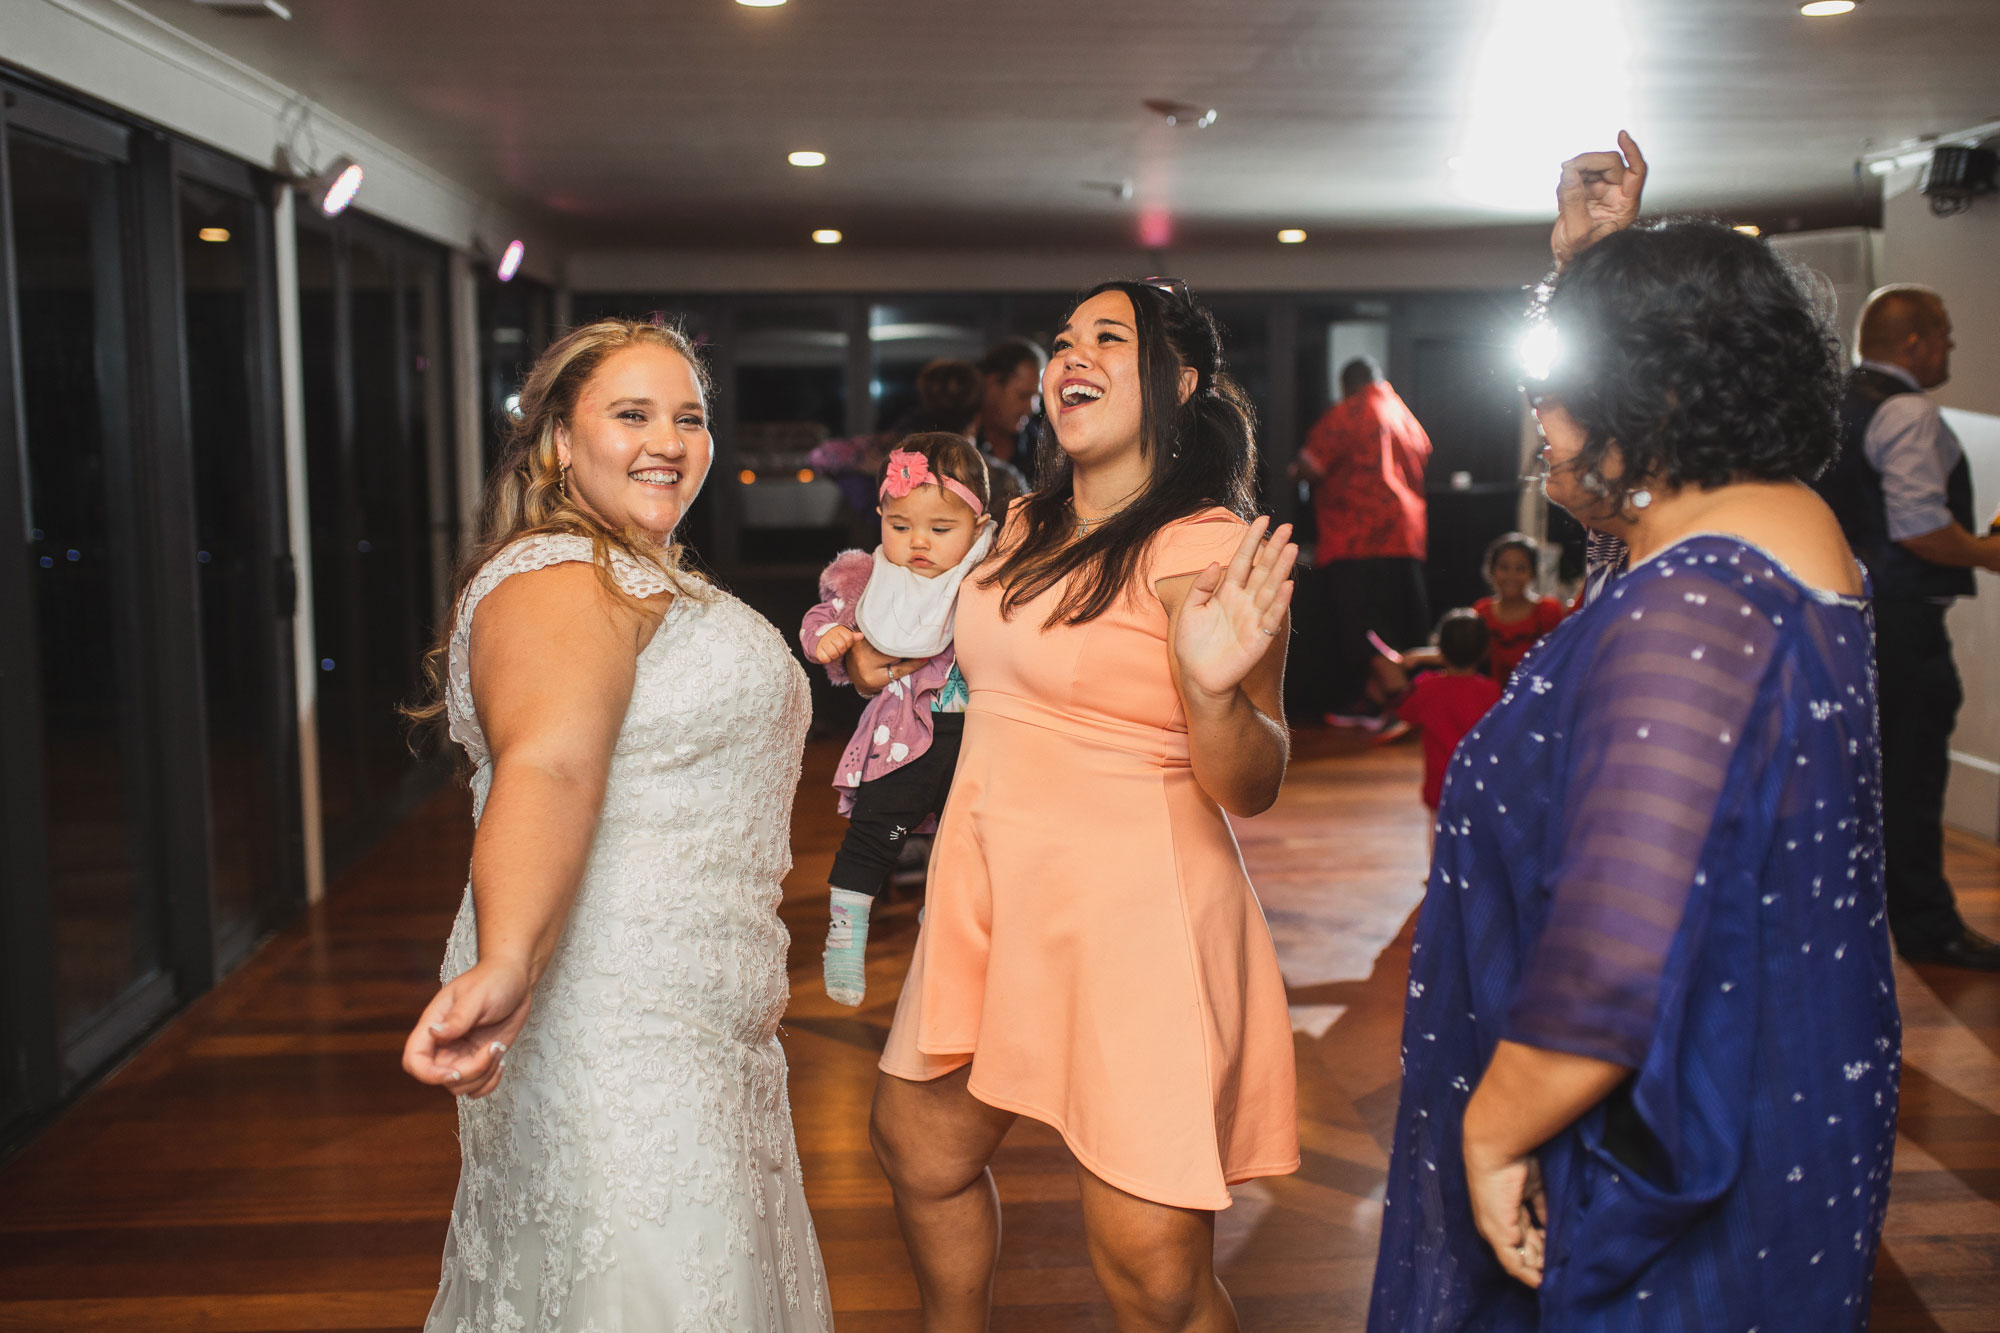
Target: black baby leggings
<point x="890" y="808"/>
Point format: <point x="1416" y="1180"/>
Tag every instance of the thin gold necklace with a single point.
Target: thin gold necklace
<point x="1084" y="525"/>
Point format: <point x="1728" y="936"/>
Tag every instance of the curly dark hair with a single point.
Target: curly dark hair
<point x="1697" y="353"/>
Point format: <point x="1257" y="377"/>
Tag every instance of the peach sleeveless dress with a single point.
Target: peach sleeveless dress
<point x="1091" y="943"/>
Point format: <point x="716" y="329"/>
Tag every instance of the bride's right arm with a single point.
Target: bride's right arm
<point x="553" y="658"/>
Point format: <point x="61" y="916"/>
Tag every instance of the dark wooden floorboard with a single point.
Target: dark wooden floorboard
<point x="264" y="1165"/>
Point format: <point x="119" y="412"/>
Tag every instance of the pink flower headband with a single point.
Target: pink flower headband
<point x="907" y="471"/>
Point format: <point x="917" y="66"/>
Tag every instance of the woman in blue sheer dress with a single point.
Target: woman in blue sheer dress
<point x="1651" y="1041"/>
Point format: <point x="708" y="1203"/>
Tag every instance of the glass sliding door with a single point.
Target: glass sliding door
<point x="377" y="452"/>
<point x="148" y="755"/>
<point x="223" y="245"/>
<point x="69" y="205"/>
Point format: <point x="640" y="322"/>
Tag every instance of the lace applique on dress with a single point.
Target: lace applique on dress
<point x="636" y="1169"/>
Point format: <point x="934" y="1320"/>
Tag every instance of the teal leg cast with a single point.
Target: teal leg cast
<point x="847" y="947"/>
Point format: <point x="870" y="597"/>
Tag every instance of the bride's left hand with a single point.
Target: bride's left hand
<point x="461" y="1040"/>
<point x="1232" y="616"/>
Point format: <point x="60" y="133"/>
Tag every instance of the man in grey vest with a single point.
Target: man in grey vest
<point x="1903" y="493"/>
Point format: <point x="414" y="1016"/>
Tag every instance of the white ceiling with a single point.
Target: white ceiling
<point x="949" y="123"/>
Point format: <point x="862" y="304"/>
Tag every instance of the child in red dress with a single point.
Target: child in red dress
<point x="1515" y="619"/>
<point x="1447" y="703"/>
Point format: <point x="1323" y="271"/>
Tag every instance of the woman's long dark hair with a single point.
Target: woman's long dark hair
<point x="1203" y="453"/>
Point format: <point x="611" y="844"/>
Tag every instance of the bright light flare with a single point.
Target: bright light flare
<point x="1826" y="9"/>
<point x="342" y="191"/>
<point x="760" y="4"/>
<point x="1538" y="349"/>
<point x="827" y="236"/>
<point x="510" y="262"/>
<point x="1748" y="229"/>
<point x="1291" y="236"/>
<point x="1522" y="115"/>
<point x="807" y="157"/>
<point x="214" y="235"/>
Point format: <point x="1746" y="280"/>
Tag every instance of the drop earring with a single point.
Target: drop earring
<point x="562" y="479"/>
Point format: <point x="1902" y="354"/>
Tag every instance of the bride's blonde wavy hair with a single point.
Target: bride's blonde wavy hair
<point x="524" y="495"/>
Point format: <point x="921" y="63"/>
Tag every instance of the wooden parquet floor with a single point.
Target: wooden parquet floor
<point x="264" y="1165"/>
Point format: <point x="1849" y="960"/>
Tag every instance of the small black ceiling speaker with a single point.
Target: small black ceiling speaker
<point x="1957" y="175"/>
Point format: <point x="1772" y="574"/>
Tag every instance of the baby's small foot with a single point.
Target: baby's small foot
<point x="845" y="959"/>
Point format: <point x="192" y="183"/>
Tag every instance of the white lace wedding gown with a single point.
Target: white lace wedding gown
<point x="636" y="1172"/>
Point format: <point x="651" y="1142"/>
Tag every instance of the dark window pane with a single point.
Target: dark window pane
<point x="67" y="228"/>
<point x="791" y="395"/>
<point x="233" y="562"/>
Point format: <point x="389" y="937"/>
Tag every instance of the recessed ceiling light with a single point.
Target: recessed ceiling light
<point x="1826" y="9"/>
<point x="1291" y="236"/>
<point x="1181" y="114"/>
<point x="510" y="262"/>
<point x="214" y="235"/>
<point x="1749" y="229"/>
<point x="806" y="157"/>
<point x="247" y="9"/>
<point x="827" y="236"/>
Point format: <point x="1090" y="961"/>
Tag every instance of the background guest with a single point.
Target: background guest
<point x="1903" y="494"/>
<point x="1010" y="400"/>
<point x="958" y="397"/>
<point x="1447" y="703"/>
<point x="1365" y="459"/>
<point x="1515" y="619"/>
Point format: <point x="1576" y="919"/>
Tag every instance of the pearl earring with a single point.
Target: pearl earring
<point x="1641" y="499"/>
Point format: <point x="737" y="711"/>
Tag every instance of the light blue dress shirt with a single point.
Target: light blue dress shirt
<point x="1913" y="449"/>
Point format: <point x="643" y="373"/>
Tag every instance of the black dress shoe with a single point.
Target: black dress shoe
<point x="1967" y="949"/>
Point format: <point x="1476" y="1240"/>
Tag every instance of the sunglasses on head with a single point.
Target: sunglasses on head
<point x="1171" y="286"/>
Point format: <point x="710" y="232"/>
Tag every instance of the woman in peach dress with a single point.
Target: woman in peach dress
<point x="1092" y="954"/>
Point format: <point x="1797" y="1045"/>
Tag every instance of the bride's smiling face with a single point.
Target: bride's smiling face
<point x="637" y="444"/>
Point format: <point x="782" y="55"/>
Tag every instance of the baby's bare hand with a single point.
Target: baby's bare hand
<point x="834" y="644"/>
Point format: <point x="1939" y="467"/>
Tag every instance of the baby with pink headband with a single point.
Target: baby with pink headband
<point x="896" y="770"/>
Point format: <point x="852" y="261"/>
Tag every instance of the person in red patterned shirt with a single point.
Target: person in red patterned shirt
<point x="1365" y="459"/>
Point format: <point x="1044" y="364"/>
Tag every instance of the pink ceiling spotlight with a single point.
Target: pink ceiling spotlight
<point x="1156" y="228"/>
<point x="510" y="261"/>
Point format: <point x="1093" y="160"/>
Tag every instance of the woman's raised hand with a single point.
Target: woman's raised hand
<point x="1599" y="194"/>
<point x="1233" y="616"/>
<point x="462" y="1037"/>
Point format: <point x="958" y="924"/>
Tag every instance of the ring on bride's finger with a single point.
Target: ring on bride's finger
<point x="498" y="1048"/>
<point x="1273" y="633"/>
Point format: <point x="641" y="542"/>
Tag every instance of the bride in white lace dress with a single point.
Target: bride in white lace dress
<point x="615" y="977"/>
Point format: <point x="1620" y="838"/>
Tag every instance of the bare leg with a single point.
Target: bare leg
<point x="934" y="1140"/>
<point x="1156" y="1263"/>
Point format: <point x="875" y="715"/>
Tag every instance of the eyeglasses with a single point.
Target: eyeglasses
<point x="1171" y="286"/>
